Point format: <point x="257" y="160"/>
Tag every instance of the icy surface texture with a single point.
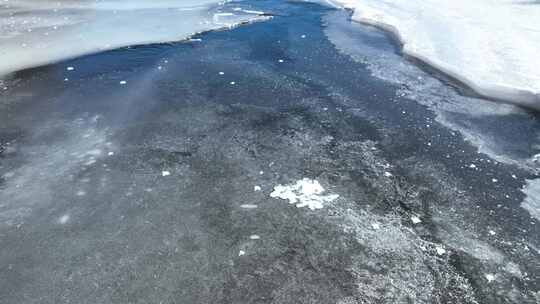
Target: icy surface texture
<point x="489" y="45"/>
<point x="34" y="32"/>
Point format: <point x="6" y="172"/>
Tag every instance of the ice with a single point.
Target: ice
<point x="63" y="219"/>
<point x="531" y="203"/>
<point x="304" y="193"/>
<point x="37" y="32"/>
<point x="489" y="45"/>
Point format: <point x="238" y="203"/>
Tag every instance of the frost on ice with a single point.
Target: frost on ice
<point x="304" y="193"/>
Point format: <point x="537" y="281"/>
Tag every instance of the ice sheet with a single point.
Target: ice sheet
<point x="36" y="32"/>
<point x="489" y="45"/>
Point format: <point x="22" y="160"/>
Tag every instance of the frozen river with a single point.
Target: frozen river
<point x="296" y="160"/>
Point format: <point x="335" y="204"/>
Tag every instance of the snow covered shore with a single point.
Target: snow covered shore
<point x="37" y="32"/>
<point x="490" y="45"/>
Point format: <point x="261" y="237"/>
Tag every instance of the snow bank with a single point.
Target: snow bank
<point x="490" y="45"/>
<point x="37" y="32"/>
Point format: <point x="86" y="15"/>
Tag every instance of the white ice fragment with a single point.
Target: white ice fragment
<point x="221" y="73"/>
<point x="165" y="173"/>
<point x="490" y="277"/>
<point x="248" y="206"/>
<point x="257" y="188"/>
<point x="254" y="237"/>
<point x="122" y="82"/>
<point x="63" y="219"/>
<point x="241" y="253"/>
<point x="70" y="68"/>
<point x="440" y="250"/>
<point x="415" y="219"/>
<point x="304" y="193"/>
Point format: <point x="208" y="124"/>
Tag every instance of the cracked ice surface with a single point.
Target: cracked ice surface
<point x="304" y="193"/>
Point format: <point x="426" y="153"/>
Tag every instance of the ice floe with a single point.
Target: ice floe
<point x="304" y="193"/>
<point x="491" y="52"/>
<point x="36" y="32"/>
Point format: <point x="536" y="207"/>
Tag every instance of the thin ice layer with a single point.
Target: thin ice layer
<point x="34" y="33"/>
<point x="490" y="45"/>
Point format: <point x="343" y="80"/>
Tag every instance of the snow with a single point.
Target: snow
<point x="440" y="250"/>
<point x="36" y="32"/>
<point x="304" y="193"/>
<point x="415" y="219"/>
<point x="489" y="45"/>
<point x="531" y="203"/>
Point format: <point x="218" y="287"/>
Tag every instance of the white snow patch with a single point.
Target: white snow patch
<point x="531" y="203"/>
<point x="440" y="250"/>
<point x="492" y="52"/>
<point x="304" y="193"/>
<point x="415" y="219"/>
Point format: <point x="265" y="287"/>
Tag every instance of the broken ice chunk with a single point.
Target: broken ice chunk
<point x="415" y="219"/>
